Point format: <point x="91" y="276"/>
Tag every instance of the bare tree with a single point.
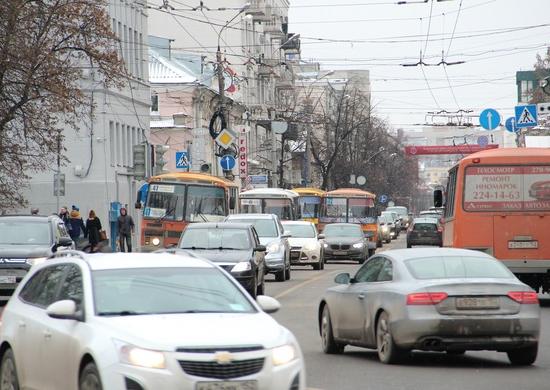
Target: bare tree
<point x="44" y="47"/>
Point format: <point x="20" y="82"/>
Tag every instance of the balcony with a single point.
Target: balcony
<point x="259" y="11"/>
<point x="274" y="28"/>
<point x="291" y="44"/>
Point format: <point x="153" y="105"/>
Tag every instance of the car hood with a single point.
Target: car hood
<point x="224" y="256"/>
<point x="294" y="241"/>
<point x="24" y="251"/>
<point x="170" y="331"/>
<point x="342" y="240"/>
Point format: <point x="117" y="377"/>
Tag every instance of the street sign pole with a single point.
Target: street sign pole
<point x="58" y="179"/>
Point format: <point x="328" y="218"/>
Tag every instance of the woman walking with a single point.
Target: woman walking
<point x="93" y="227"/>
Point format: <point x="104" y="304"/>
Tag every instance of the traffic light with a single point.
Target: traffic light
<point x="160" y="162"/>
<point x="139" y="152"/>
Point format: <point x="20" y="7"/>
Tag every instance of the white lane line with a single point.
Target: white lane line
<point x="304" y="283"/>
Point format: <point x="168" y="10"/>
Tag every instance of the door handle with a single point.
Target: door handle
<point x="361" y="296"/>
<point x="22" y="324"/>
<point x="47" y="334"/>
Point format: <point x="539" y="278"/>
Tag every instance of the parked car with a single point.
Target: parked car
<point x="25" y="241"/>
<point x="403" y="214"/>
<point x="396" y="223"/>
<point x="442" y="299"/>
<point x="142" y="321"/>
<point x="385" y="227"/>
<point x="425" y="231"/>
<point x="272" y="235"/>
<point x="305" y="245"/>
<point x="345" y="241"/>
<point x="234" y="247"/>
<point x="540" y="190"/>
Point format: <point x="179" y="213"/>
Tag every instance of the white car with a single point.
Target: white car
<point x="146" y="321"/>
<point x="305" y="245"/>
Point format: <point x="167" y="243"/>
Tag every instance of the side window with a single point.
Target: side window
<point x="72" y="286"/>
<point x="451" y="193"/>
<point x="386" y="273"/>
<point x="43" y="290"/>
<point x="369" y="272"/>
<point x="61" y="230"/>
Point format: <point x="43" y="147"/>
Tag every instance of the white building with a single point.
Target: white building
<point x="99" y="152"/>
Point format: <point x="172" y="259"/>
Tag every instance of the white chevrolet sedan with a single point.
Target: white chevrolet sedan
<point x="144" y="321"/>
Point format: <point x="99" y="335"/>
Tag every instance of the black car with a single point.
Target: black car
<point x="233" y="246"/>
<point x="425" y="231"/>
<point x="24" y="241"/>
<point x="345" y="241"/>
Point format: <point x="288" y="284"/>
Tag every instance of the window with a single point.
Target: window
<point x="128" y="146"/>
<point x="215" y="238"/>
<point x="136" y="55"/>
<point x="203" y="203"/>
<point x="123" y="144"/>
<point x="24" y="233"/>
<point x="300" y="231"/>
<point x="154" y="102"/>
<point x="112" y="143"/>
<point x="369" y="272"/>
<point x="451" y="193"/>
<point x="386" y="273"/>
<point x="425" y="227"/>
<point x="457" y="267"/>
<point x="118" y="141"/>
<point x="130" y="58"/>
<point x="42" y="288"/>
<point x="264" y="227"/>
<point x="72" y="286"/>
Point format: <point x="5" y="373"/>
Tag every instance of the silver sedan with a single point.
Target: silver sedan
<point x="429" y="299"/>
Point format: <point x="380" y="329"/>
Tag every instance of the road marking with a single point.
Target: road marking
<point x="304" y="283"/>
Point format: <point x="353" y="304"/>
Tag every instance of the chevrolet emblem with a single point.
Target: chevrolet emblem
<point x="223" y="357"/>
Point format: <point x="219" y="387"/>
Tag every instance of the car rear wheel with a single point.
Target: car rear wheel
<point x="388" y="351"/>
<point x="327" y="337"/>
<point x="89" y="378"/>
<point x="8" y="372"/>
<point x="523" y="356"/>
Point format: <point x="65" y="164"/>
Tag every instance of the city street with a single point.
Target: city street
<point x="360" y="369"/>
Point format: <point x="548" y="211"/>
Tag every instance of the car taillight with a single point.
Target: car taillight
<point x="432" y="298"/>
<point x="524" y="297"/>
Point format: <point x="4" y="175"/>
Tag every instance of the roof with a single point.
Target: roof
<point x="29" y="218"/>
<point x="350" y="192"/>
<point x="511" y="155"/>
<point x="413" y="253"/>
<point x="425" y="220"/>
<point x="191" y="177"/>
<point x="251" y="216"/>
<point x="166" y="71"/>
<point x="308" y="191"/>
<point x="218" y="225"/>
<point x="342" y="224"/>
<point x="276" y="192"/>
<point x="297" y="223"/>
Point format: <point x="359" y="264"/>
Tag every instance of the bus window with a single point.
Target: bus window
<point x="251" y="206"/>
<point x="280" y="207"/>
<point x="335" y="209"/>
<point x="361" y="209"/>
<point x="205" y="204"/>
<point x="309" y="206"/>
<point x="451" y="191"/>
<point x="165" y="201"/>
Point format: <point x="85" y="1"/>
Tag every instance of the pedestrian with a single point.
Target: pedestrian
<point x="77" y="224"/>
<point x="125" y="229"/>
<point x="93" y="229"/>
<point x="65" y="217"/>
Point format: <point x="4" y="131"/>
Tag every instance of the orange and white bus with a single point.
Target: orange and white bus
<point x="351" y="205"/>
<point x="310" y="203"/>
<point x="498" y="202"/>
<point x="177" y="199"/>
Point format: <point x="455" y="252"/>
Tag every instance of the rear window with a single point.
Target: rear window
<point x="425" y="227"/>
<point x="457" y="267"/>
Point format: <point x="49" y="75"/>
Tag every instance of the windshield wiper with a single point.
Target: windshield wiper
<point x="195" y="247"/>
<point x="120" y="313"/>
<point x="200" y="311"/>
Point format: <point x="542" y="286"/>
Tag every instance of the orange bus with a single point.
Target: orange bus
<point x="310" y="203"/>
<point x="351" y="205"/>
<point x="176" y="199"/>
<point x="498" y="202"/>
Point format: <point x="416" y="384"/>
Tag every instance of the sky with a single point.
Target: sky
<point x="495" y="38"/>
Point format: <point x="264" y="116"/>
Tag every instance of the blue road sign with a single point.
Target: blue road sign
<point x="383" y="198"/>
<point x="483" y="140"/>
<point x="510" y="124"/>
<point x="526" y="116"/>
<point x="182" y="160"/>
<point x="489" y="119"/>
<point x="227" y="162"/>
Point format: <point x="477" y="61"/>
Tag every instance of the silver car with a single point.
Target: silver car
<point x="431" y="299"/>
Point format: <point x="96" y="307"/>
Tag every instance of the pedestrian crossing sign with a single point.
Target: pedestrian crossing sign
<point x="526" y="116"/>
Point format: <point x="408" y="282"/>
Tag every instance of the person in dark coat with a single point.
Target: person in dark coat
<point x="77" y="225"/>
<point x="65" y="217"/>
<point x="93" y="227"/>
<point x="125" y="230"/>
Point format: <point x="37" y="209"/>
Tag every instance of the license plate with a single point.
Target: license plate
<point x="340" y="253"/>
<point x="235" y="385"/>
<point x="7" y="279"/>
<point x="477" y="303"/>
<point x="523" y="244"/>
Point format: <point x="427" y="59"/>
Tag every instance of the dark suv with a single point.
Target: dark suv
<point x="24" y="241"/>
<point x="233" y="246"/>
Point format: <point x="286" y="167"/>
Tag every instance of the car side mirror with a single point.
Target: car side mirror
<point x="62" y="242"/>
<point x="268" y="304"/>
<point x="260" y="248"/>
<point x="438" y="198"/>
<point x="286" y="235"/>
<point x="321" y="236"/>
<point x="63" y="310"/>
<point x="343" y="278"/>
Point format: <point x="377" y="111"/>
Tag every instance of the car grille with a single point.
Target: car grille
<point x="235" y="369"/>
<point x="344" y="247"/>
<point x="248" y="348"/>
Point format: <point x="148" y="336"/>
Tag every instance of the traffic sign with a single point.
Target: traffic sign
<point x="225" y="138"/>
<point x="227" y="162"/>
<point x="510" y="125"/>
<point x="383" y="198"/>
<point x="489" y="119"/>
<point x="526" y="116"/>
<point x="182" y="160"/>
<point x="482" y="140"/>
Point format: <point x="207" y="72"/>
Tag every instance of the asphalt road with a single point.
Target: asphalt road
<point x="360" y="369"/>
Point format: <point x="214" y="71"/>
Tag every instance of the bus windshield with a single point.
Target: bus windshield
<point x="361" y="210"/>
<point x="279" y="206"/>
<point x="335" y="209"/>
<point x="309" y="206"/>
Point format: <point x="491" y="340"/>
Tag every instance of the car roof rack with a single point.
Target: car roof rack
<point x="67" y="253"/>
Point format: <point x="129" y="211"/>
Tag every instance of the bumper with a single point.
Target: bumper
<point x="436" y="332"/>
<point x="275" y="262"/>
<point x="425" y="241"/>
<point x="175" y="378"/>
<point x="354" y="254"/>
<point x="300" y="256"/>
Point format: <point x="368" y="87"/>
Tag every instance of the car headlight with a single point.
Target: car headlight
<point x="273" y="247"/>
<point x="325" y="245"/>
<point x="283" y="354"/>
<point x="310" y="246"/>
<point x="384" y="228"/>
<point x="142" y="357"/>
<point x="241" y="267"/>
<point x="36" y="260"/>
<point x="359" y="245"/>
<point x="155" y="241"/>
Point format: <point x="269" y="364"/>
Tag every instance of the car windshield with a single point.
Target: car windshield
<point x="215" y="238"/>
<point x="343" y="231"/>
<point x="457" y="267"/>
<point x="24" y="232"/>
<point x="264" y="227"/>
<point x="140" y="291"/>
<point x="300" y="231"/>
